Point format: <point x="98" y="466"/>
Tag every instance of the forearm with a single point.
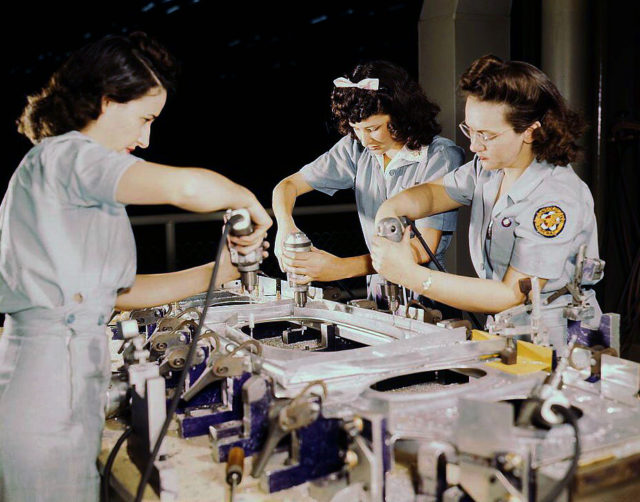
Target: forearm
<point x="432" y="238"/>
<point x="466" y="293"/>
<point x="190" y="188"/>
<point x="354" y="266"/>
<point x="204" y="191"/>
<point x="284" y="199"/>
<point x="157" y="289"/>
<point x="418" y="202"/>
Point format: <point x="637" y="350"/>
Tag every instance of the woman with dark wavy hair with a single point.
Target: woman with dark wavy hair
<point x="67" y="256"/>
<point x="530" y="213"/>
<point x="390" y="143"/>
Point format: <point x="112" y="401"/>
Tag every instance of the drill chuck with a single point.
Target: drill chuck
<point x="297" y="242"/>
<point x="300" y="297"/>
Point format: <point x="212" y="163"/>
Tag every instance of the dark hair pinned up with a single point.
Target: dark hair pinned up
<point x="531" y="97"/>
<point x="120" y="68"/>
<point x="413" y="116"/>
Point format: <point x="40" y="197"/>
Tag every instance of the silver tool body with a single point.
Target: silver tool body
<point x="297" y="242"/>
<point x="249" y="264"/>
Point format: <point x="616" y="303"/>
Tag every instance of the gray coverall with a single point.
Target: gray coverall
<point x="66" y="248"/>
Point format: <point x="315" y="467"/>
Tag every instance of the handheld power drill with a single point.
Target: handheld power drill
<point x="392" y="229"/>
<point x="297" y="242"/>
<point x="249" y="264"/>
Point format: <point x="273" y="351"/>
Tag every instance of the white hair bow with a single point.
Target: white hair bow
<point x="369" y="84"/>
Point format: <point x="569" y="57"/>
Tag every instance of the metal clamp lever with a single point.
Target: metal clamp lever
<point x="173" y="323"/>
<point x="173" y="332"/>
<point x="220" y="367"/>
<point x="285" y="417"/>
<point x="190" y="310"/>
<point x="150" y="315"/>
<point x="176" y="356"/>
<point x="159" y="344"/>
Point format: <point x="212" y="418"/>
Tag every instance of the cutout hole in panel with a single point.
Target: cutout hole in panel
<point x="428" y="381"/>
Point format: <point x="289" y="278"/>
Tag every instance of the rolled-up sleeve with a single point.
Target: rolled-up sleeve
<point x="443" y="161"/>
<point x="461" y="183"/>
<point x="86" y="173"/>
<point x="334" y="170"/>
<point x="545" y="234"/>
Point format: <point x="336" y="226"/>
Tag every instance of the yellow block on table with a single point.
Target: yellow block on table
<point x="531" y="357"/>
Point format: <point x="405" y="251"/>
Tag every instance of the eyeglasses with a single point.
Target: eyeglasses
<point x="482" y="137"/>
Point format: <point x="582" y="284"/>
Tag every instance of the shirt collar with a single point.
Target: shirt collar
<point x="404" y="156"/>
<point x="529" y="180"/>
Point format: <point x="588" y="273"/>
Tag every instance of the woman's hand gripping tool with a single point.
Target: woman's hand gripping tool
<point x="248" y="264"/>
<point x="393" y="229"/>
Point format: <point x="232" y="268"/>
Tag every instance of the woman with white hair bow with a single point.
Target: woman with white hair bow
<point x="390" y="143"/>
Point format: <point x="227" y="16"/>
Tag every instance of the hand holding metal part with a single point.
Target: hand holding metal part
<point x="392" y="255"/>
<point x="261" y="222"/>
<point x="247" y="260"/>
<point x="588" y="271"/>
<point x="503" y="324"/>
<point x="297" y="242"/>
<point x="393" y="230"/>
<point x="312" y="265"/>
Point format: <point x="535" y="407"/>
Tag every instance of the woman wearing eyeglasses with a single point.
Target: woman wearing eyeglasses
<point x="530" y="212"/>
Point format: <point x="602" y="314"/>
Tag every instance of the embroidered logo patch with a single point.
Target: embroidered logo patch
<point x="549" y="221"/>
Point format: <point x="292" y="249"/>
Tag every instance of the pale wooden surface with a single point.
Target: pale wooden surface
<point x="200" y="478"/>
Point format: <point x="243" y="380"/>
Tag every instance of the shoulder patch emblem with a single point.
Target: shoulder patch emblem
<point x="549" y="221"/>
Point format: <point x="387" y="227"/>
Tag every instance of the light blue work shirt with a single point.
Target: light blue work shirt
<point x="62" y="232"/>
<point x="537" y="227"/>
<point x="349" y="165"/>
<point x="66" y="248"/>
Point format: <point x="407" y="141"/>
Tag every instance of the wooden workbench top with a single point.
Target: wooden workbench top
<point x="200" y="478"/>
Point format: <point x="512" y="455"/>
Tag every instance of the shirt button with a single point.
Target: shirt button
<point x="392" y="172"/>
<point x="101" y="320"/>
<point x="70" y="319"/>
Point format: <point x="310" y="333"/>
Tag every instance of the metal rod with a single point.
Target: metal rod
<point x="170" y="242"/>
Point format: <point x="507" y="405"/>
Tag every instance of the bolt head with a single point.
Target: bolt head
<point x="351" y="459"/>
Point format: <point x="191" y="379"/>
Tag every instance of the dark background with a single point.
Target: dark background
<point x="253" y="102"/>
